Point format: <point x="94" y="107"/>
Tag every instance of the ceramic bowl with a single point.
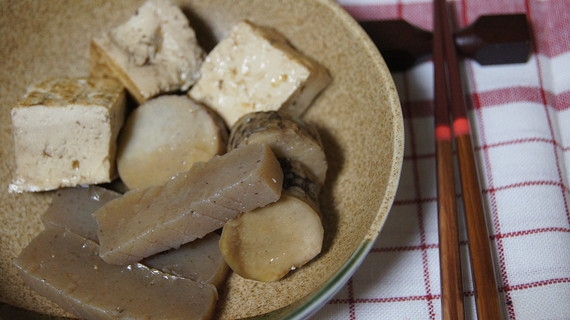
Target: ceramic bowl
<point x="358" y="117"/>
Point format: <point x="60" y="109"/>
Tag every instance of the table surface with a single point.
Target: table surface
<point x="520" y="114"/>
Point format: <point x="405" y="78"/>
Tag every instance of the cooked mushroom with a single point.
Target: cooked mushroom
<point x="288" y="137"/>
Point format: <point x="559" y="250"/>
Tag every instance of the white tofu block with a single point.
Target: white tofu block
<point x="154" y="52"/>
<point x="65" y="133"/>
<point x="257" y="69"/>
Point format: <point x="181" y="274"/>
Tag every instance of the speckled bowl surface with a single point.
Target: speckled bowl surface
<point x="358" y="116"/>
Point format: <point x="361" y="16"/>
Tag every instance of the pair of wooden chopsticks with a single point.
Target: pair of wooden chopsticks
<point x="449" y="101"/>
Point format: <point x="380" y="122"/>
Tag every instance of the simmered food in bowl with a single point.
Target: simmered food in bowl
<point x="357" y="116"/>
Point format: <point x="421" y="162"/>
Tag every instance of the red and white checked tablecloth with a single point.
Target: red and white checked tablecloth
<point x="521" y="117"/>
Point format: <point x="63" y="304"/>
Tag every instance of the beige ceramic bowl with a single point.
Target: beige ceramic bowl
<point x="358" y="116"/>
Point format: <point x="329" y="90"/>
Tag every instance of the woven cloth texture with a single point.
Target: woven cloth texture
<point x="520" y="114"/>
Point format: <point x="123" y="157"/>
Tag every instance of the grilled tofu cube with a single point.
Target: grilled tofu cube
<point x="65" y="133"/>
<point x="154" y="52"/>
<point x="256" y="69"/>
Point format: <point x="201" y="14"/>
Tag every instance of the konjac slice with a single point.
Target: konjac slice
<point x="191" y="205"/>
<point x="72" y="208"/>
<point x="165" y="136"/>
<point x="67" y="269"/>
<point x="135" y="226"/>
<point x="199" y="260"/>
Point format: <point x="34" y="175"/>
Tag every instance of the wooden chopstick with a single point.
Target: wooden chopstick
<point x="483" y="270"/>
<point x="449" y="252"/>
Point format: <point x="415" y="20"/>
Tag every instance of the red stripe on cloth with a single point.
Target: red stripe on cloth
<point x="519" y="141"/>
<point x="531" y="231"/>
<point x="490" y="98"/>
<point x="390" y="299"/>
<point x="416" y="201"/>
<point x="405" y="248"/>
<point x="420" y="14"/>
<point x="559" y="101"/>
<point x="552" y="35"/>
<point x="400" y="299"/>
<point x="373" y="12"/>
<point x="351" y="307"/>
<point x="528" y="184"/>
<point x="473" y="9"/>
<point x="508" y="95"/>
<point x="536" y="284"/>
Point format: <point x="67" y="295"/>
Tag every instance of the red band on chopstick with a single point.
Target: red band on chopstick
<point x="461" y="127"/>
<point x="442" y="133"/>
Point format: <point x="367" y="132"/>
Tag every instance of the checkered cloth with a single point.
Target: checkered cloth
<point x="521" y="117"/>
